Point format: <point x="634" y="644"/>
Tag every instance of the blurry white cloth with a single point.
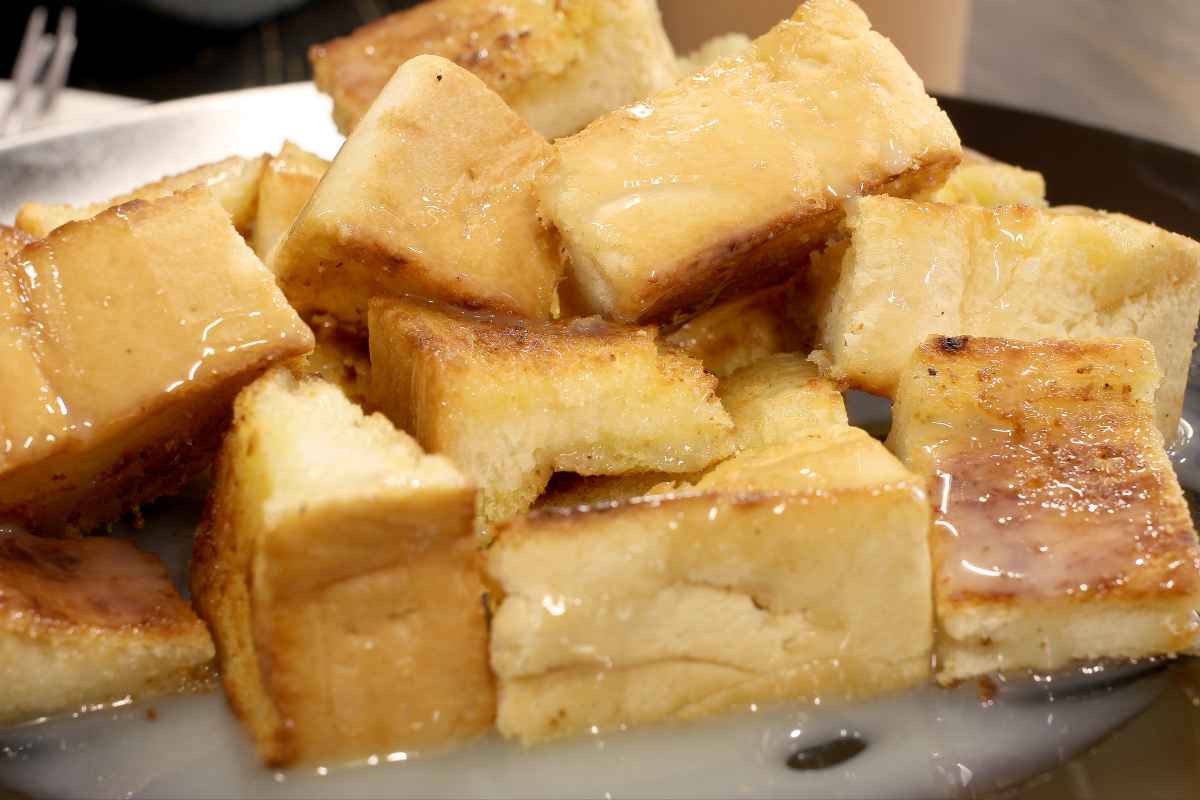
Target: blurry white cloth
<point x="73" y="106"/>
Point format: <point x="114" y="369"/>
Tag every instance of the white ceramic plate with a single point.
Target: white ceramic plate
<point x="927" y="743"/>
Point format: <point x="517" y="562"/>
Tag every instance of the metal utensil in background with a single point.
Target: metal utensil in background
<point x="42" y="63"/>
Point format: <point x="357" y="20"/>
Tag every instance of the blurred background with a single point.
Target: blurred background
<point x="1130" y="66"/>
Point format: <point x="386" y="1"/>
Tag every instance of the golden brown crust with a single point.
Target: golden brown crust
<point x="558" y="64"/>
<point x="1053" y="483"/>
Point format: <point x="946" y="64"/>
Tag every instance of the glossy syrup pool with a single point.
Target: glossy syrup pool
<point x="925" y="743"/>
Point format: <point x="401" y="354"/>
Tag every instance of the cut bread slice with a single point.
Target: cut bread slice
<point x="983" y="181"/>
<point x="337" y="569"/>
<point x="287" y="184"/>
<point x="233" y="182"/>
<point x="432" y="195"/>
<point x="123" y="340"/>
<point x="1061" y="533"/>
<point x="915" y="269"/>
<point x="736" y="333"/>
<point x="698" y="603"/>
<point x="726" y="182"/>
<point x="511" y="401"/>
<point x="559" y="65"/>
<point x="90" y="621"/>
<point x="775" y="401"/>
<point x="778" y="398"/>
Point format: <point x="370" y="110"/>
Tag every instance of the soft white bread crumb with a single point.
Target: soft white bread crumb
<point x="681" y="606"/>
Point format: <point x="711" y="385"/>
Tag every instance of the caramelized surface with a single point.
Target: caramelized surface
<point x="729" y="179"/>
<point x="95" y="583"/>
<point x="1052" y="488"/>
<point x="89" y="621"/>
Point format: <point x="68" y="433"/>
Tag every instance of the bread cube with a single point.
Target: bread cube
<point x="983" y="181"/>
<point x="1061" y="533"/>
<point x="727" y="181"/>
<point x="680" y="606"/>
<point x="233" y="182"/>
<point x="559" y="65"/>
<point x="916" y="269"/>
<point x="11" y="241"/>
<point x="775" y="401"/>
<point x="511" y="401"/>
<point x="341" y="359"/>
<point x="337" y="569"/>
<point x="287" y="183"/>
<point x="89" y="621"/>
<point x="123" y="340"/>
<point x="777" y="398"/>
<point x="736" y="333"/>
<point x="432" y="195"/>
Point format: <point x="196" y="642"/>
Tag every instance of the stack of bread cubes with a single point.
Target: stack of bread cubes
<point x="525" y="412"/>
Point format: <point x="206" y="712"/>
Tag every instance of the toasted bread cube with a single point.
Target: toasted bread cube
<point x="712" y="51"/>
<point x="775" y="401"/>
<point x="342" y="359"/>
<point x="736" y="333"/>
<point x="11" y="241"/>
<point x="123" y="340"/>
<point x="511" y="401"/>
<point x="88" y="621"/>
<point x="915" y="269"/>
<point x="777" y="398"/>
<point x="432" y="195"/>
<point x="693" y="604"/>
<point x="337" y="568"/>
<point x="559" y="65"/>
<point x="983" y="181"/>
<point x="1061" y="533"/>
<point x="727" y="181"/>
<point x="232" y="181"/>
<point x="287" y="184"/>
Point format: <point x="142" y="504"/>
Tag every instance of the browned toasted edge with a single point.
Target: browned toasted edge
<point x="768" y="254"/>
